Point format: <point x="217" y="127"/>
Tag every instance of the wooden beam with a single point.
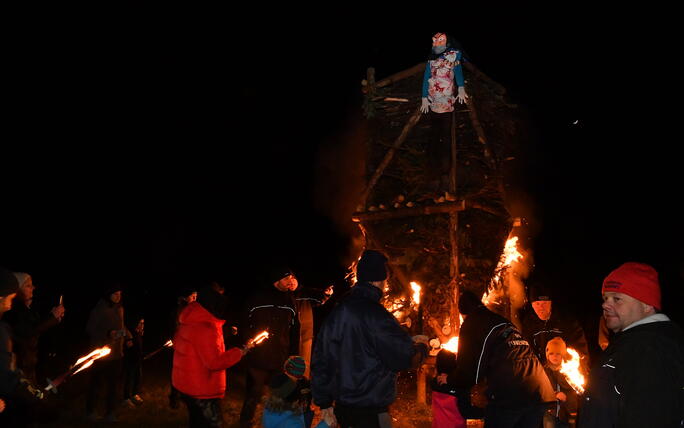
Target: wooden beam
<point x="390" y="153"/>
<point x="445" y="208"/>
<point x="416" y="69"/>
<point x="409" y="212"/>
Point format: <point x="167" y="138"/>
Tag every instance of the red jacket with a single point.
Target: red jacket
<point x="200" y="359"/>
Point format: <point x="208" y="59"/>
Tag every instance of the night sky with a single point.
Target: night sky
<point x="165" y="151"/>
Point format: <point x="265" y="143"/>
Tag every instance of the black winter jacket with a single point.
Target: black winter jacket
<point x="358" y="352"/>
<point x="638" y="380"/>
<point x="491" y="348"/>
<point x="273" y="310"/>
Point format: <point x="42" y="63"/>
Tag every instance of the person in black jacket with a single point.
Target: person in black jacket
<point x="271" y="308"/>
<point x="638" y="379"/>
<point x="545" y="321"/>
<point x="495" y="361"/>
<point x="28" y="325"/>
<point x="359" y="350"/>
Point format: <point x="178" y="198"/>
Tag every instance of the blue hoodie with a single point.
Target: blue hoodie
<point x="286" y="419"/>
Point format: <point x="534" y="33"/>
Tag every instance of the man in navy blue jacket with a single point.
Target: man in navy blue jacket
<point x="359" y="350"/>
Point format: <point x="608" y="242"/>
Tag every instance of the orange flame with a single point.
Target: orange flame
<point x="169" y="343"/>
<point x="451" y="345"/>
<point x="260" y="337"/>
<point x="416" y="293"/>
<point x="572" y="373"/>
<point x="90" y="358"/>
<point x="509" y="256"/>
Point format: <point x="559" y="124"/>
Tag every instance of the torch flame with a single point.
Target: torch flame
<point x="90" y="358"/>
<point x="260" y="337"/>
<point x="416" y="292"/>
<point x="451" y="345"/>
<point x="571" y="371"/>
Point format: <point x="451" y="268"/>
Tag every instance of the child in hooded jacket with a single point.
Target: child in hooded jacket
<point x="445" y="412"/>
<point x="564" y="411"/>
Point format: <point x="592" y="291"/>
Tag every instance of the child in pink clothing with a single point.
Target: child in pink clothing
<point x="445" y="413"/>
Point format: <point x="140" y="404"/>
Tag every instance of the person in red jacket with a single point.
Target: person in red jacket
<point x="200" y="359"/>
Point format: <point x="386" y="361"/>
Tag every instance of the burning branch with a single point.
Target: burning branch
<point x="259" y="338"/>
<point x="168" y="344"/>
<point x="570" y="370"/>
<point x="81" y="364"/>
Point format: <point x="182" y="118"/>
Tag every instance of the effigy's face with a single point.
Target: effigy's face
<point x="439" y="39"/>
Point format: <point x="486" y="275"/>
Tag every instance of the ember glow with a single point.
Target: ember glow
<point x="451" y="345"/>
<point x="89" y="359"/>
<point x="572" y="373"/>
<point x="416" y="293"/>
<point x="260" y="337"/>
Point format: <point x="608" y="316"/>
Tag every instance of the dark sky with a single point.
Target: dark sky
<point x="157" y="150"/>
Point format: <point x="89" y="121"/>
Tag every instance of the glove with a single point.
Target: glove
<point x="421" y="338"/>
<point x="424" y="105"/>
<point x="328" y="415"/>
<point x="462" y="96"/>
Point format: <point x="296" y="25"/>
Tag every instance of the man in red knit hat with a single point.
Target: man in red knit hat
<point x="638" y="379"/>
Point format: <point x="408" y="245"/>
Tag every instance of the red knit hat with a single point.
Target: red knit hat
<point x="637" y="280"/>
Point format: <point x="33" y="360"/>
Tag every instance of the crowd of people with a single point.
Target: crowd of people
<point x="508" y="377"/>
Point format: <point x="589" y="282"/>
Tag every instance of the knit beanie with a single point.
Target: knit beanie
<point x="8" y="282"/>
<point x="445" y="361"/>
<point x="21" y="277"/>
<point x="637" y="280"/>
<point x="278" y="272"/>
<point x="556" y="345"/>
<point x="539" y="291"/>
<point x="295" y="366"/>
<point x="282" y="386"/>
<point x="371" y="267"/>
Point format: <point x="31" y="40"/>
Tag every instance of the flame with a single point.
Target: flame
<point x="260" y="337"/>
<point x="509" y="256"/>
<point x="451" y="345"/>
<point x="572" y="373"/>
<point x="90" y="358"/>
<point x="169" y="343"/>
<point x="416" y="293"/>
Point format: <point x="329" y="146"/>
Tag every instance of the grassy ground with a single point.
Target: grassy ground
<point x="155" y="410"/>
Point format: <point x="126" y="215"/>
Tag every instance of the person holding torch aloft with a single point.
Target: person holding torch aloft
<point x="200" y="359"/>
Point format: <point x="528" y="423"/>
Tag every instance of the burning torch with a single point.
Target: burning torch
<point x="81" y="364"/>
<point x="168" y="344"/>
<point x="571" y="371"/>
<point x="256" y="340"/>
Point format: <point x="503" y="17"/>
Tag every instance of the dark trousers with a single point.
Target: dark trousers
<point x="132" y="376"/>
<point x="104" y="377"/>
<point x="355" y="417"/>
<point x="257" y="379"/>
<point x="519" y="417"/>
<point x="203" y="413"/>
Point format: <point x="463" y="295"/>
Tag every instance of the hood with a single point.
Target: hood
<point x="194" y="313"/>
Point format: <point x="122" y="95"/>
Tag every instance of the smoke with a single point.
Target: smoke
<point x="339" y="182"/>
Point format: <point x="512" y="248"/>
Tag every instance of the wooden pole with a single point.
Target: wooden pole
<point x="480" y="131"/>
<point x="454" y="271"/>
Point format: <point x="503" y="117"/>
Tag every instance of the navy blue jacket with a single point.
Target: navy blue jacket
<point x="358" y="352"/>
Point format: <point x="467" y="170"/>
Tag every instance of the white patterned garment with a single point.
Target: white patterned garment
<point x="441" y="82"/>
